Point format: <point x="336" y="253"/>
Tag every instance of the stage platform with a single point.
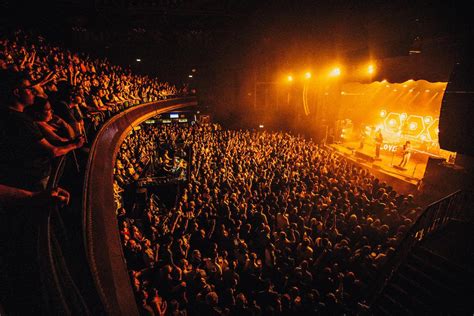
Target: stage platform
<point x="405" y="180"/>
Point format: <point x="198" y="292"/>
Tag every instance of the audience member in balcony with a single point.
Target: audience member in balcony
<point x="26" y="154"/>
<point x="66" y="106"/>
<point x="55" y="130"/>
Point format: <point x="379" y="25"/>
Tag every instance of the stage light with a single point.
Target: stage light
<point x="433" y="130"/>
<point x="138" y="59"/>
<point x="261" y="126"/>
<point x="395" y="90"/>
<point x="335" y="72"/>
<point x="415" y="126"/>
<point x="190" y="76"/>
<point x="411" y="90"/>
<point x="289" y="78"/>
<point x="403" y="116"/>
<point x="392" y="122"/>
<point x="428" y="119"/>
<point x="423" y="137"/>
<point x="307" y="75"/>
<point x="383" y="113"/>
<point x="427" y="90"/>
<point x="371" y="69"/>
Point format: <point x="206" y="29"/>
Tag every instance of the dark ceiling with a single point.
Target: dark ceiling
<point x="173" y="36"/>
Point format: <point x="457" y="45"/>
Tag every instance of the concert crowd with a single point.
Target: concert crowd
<point x="267" y="224"/>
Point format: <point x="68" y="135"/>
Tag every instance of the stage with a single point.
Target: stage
<point x="405" y="180"/>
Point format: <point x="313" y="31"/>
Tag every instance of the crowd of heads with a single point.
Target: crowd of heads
<point x="53" y="101"/>
<point x="267" y="224"/>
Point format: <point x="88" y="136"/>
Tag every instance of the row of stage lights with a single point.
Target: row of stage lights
<point x="334" y="72"/>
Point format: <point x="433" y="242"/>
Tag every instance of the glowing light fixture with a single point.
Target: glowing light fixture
<point x="138" y="59"/>
<point x="383" y="113"/>
<point x="289" y="78"/>
<point x="433" y="130"/>
<point x="261" y="126"/>
<point x="335" y="72"/>
<point x="415" y="126"/>
<point x="403" y="116"/>
<point x="307" y="75"/>
<point x="371" y="69"/>
<point x="428" y="119"/>
<point x="392" y="122"/>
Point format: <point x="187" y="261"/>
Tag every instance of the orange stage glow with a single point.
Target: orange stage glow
<point x="402" y="111"/>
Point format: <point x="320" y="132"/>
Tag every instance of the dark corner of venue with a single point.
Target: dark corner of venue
<point x="222" y="157"/>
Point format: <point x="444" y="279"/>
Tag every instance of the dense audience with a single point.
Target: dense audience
<point x="268" y="224"/>
<point x="51" y="103"/>
<point x="52" y="100"/>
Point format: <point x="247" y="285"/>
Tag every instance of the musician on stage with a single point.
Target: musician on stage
<point x="406" y="154"/>
<point x="378" y="143"/>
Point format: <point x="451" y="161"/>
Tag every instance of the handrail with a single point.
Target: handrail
<point x="53" y="295"/>
<point x="100" y="227"/>
<point x="436" y="216"/>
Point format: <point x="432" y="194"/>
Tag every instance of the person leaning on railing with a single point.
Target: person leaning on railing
<point x="26" y="153"/>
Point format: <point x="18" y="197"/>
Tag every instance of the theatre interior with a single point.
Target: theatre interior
<point x="236" y="157"/>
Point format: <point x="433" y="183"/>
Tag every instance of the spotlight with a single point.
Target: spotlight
<point x="392" y="122"/>
<point x="383" y="113"/>
<point x="138" y="59"/>
<point x="289" y="78"/>
<point x="261" y="126"/>
<point x="371" y="69"/>
<point x="428" y="119"/>
<point x="307" y="75"/>
<point x="403" y="116"/>
<point x="413" y="126"/>
<point x="335" y="72"/>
